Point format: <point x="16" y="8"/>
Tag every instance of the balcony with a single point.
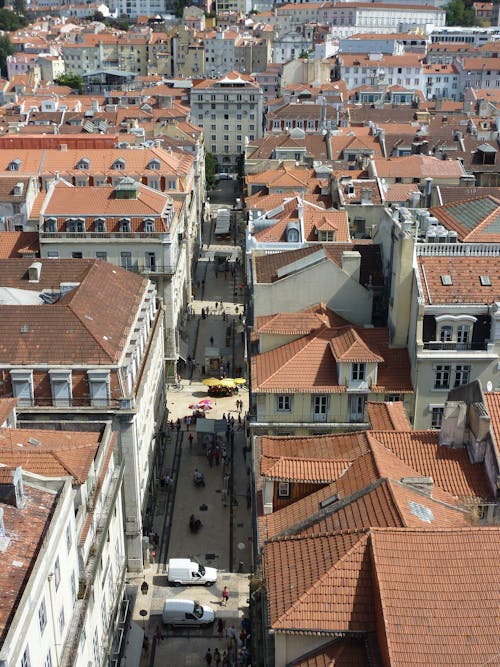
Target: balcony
<point x="165" y="237"/>
<point x="453" y="346"/>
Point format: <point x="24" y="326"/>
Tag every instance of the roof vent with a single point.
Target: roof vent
<point x="25" y="328"/>
<point x="34" y="272"/>
<point x="485" y="281"/>
<point x="423" y="484"/>
<point x="328" y="501"/>
<point x="446" y="280"/>
<point x="34" y="441"/>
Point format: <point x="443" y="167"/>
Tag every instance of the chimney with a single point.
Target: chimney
<point x="64" y="148"/>
<point x="351" y="263"/>
<point x="428" y="191"/>
<point x="366" y="196"/>
<point x="452" y="433"/>
<point x="11" y="487"/>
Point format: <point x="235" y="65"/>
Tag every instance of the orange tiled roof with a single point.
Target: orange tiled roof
<point x="388" y="416"/>
<point x="450" y="468"/>
<point x="465" y="275"/>
<point x="7" y="406"/>
<point x="347" y="345"/>
<point x="493" y="406"/>
<point x="298" y="323"/>
<point x="322" y="581"/>
<point x="415" y="166"/>
<point x="475" y="220"/>
<point x="18" y="244"/>
<point x="90" y="323"/>
<point x="26" y="529"/>
<point x="438" y="595"/>
<point x="56" y="454"/>
<point x="308" y="365"/>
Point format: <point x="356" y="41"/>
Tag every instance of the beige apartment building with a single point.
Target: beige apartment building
<point x="229" y="109"/>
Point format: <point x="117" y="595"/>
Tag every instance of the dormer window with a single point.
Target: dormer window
<point x="84" y="163"/>
<point x="15" y="165"/>
<point x="100" y="225"/>
<point x="326" y="236"/>
<point x="358" y="371"/>
<point x="119" y="164"/>
<point x="50" y="225"/>
<point x="149" y="225"/>
<point x="154" y="164"/>
<point x="446" y="333"/>
<point x="125" y="225"/>
<point x="75" y="225"/>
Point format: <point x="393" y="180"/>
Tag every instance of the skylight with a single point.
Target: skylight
<point x="421" y="512"/>
<point x="446" y="280"/>
<point x="485" y="281"/>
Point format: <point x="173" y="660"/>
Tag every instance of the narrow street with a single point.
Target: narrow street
<point x="214" y="320"/>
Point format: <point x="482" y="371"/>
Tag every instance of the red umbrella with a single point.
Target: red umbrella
<point x="205" y="401"/>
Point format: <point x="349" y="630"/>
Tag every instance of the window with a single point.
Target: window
<point x="154" y="164"/>
<point x="392" y="398"/>
<point x="14" y="166"/>
<point x="61" y="387"/>
<point x="101" y="255"/>
<point x="42" y="616"/>
<point x="463" y="331"/>
<point x="118" y="164"/>
<point x="283" y="403"/>
<point x="462" y="373"/>
<point x="149" y="225"/>
<point x="357" y="404"/>
<point x="77" y="255"/>
<point x="95" y="647"/>
<point x="358" y="371"/>
<point x="25" y="660"/>
<point x="124" y="224"/>
<point x="73" y="586"/>
<point x="57" y="573"/>
<point x="283" y="489"/>
<point x="320" y="408"/>
<point x="100" y="225"/>
<point x="445" y="334"/>
<point x="53" y="254"/>
<point x="442" y="377"/>
<point x="437" y="416"/>
<point x="61" y="622"/>
<point x="99" y="387"/>
<point x="150" y="260"/>
<point x="22" y="386"/>
<point x="68" y="537"/>
<point x="84" y="163"/>
<point x="51" y="225"/>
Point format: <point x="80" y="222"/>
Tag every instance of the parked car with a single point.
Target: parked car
<point x="185" y="572"/>
<point x="186" y="612"/>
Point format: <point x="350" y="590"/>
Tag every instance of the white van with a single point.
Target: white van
<point x="185" y="572"/>
<point x="187" y="612"/>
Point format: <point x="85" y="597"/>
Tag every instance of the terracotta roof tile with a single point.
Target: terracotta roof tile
<point x="89" y="325"/>
<point x="342" y="653"/>
<point x="301" y="323"/>
<point x="303" y="470"/>
<point x="308" y="364"/>
<point x="438" y="595"/>
<point x="320" y="582"/>
<point x="19" y="244"/>
<point x="56" y="454"/>
<point x="450" y="468"/>
<point x="388" y="416"/>
<point x="493" y="406"/>
<point x="418" y="166"/>
<point x="26" y="528"/>
<point x="347" y="345"/>
<point x="465" y="275"/>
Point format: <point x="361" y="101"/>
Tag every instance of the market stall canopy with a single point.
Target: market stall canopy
<point x="210" y="426"/>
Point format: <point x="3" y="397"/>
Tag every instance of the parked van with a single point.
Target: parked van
<point x="187" y="612"/>
<point x="185" y="572"/>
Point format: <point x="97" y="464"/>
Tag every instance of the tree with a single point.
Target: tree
<point x="458" y="12"/>
<point x="74" y="81"/>
<point x="210" y="170"/>
<point x="6" y="49"/>
<point x="10" y="21"/>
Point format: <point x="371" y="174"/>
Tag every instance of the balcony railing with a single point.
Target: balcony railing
<point x="458" y="249"/>
<point x="453" y="346"/>
<point x="163" y="236"/>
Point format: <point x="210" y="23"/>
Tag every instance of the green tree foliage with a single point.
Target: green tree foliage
<point x="6" y="49"/>
<point x="210" y="170"/>
<point x="10" y="21"/>
<point x="459" y="12"/>
<point x="74" y="81"/>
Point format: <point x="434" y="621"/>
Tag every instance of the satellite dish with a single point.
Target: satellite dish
<point x="489" y="386"/>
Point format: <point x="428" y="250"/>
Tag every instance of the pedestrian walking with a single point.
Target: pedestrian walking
<point x="217" y="657"/>
<point x="216" y="305"/>
<point x="217" y="456"/>
<point x="225" y="598"/>
<point x="220" y="627"/>
<point x="190" y="438"/>
<point x="158" y="633"/>
<point x="210" y="456"/>
<point x="224" y="416"/>
<point x="225" y="659"/>
<point x="232" y="438"/>
<point x="178" y="424"/>
<point x="239" y="419"/>
<point x="188" y="422"/>
<point x="232" y="421"/>
<point x="244" y="453"/>
<point x="249" y="496"/>
<point x="211" y="340"/>
<point x="208" y="657"/>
